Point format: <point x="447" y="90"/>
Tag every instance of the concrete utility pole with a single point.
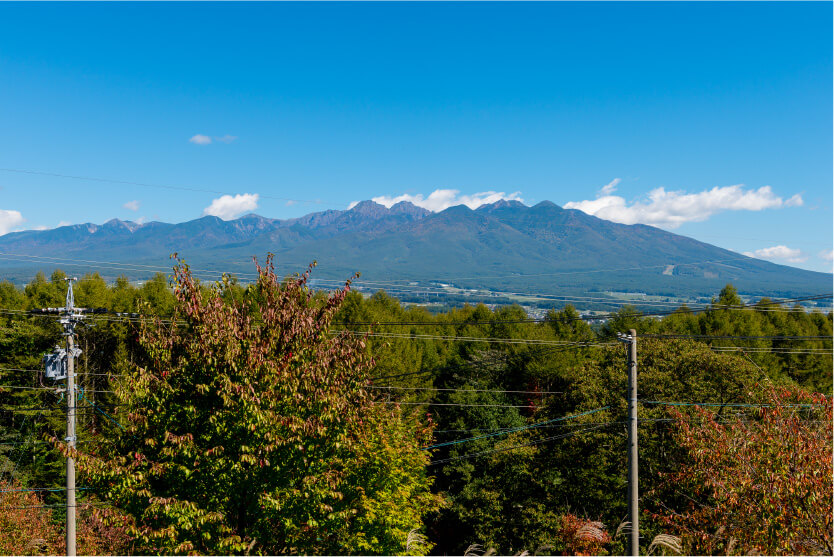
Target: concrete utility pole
<point x="68" y="320"/>
<point x="633" y="509"/>
<point x="71" y="444"/>
<point x="633" y="491"/>
<point x="59" y="365"/>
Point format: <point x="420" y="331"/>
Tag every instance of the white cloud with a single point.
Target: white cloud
<point x="439" y="200"/>
<point x="41" y="227"/>
<point x="131" y="205"/>
<point x="827" y="255"/>
<point x="227" y="207"/>
<point x="63" y="223"/>
<point x="609" y="188"/>
<point x="673" y="208"/>
<point x="778" y="252"/>
<point x="9" y="220"/>
<point x="352" y="205"/>
<point x="200" y="139"/>
<point x="794" y="201"/>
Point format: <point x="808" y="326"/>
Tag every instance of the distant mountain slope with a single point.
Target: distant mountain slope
<point x="502" y="246"/>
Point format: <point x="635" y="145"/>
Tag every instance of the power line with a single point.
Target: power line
<point x="163" y="186"/>
<point x="109" y="265"/>
<point x="517" y="429"/>
<point x="81" y="505"/>
<point x="732" y="404"/>
<point x="20" y="455"/>
<point x="105" y="375"/>
<point x="490" y="340"/>
<point x="770" y="350"/>
<point x="47" y="408"/>
<point x="422" y="372"/>
<point x="465" y="390"/>
<point x="37" y="489"/>
<point x="21" y="442"/>
<point x="536" y="442"/>
<point x="105" y="414"/>
<point x="48" y="389"/>
<point x="528" y="444"/>
<point x="731" y="418"/>
<point x="28" y="259"/>
<point x="454" y="404"/>
<point x="504" y="429"/>
<point x="737" y="337"/>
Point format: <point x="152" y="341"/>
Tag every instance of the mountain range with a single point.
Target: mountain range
<point x="505" y="246"/>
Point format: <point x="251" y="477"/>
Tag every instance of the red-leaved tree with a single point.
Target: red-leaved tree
<point x="248" y="429"/>
<point x="759" y="483"/>
<point x="28" y="527"/>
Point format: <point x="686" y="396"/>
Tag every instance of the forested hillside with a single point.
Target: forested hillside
<point x="273" y="419"/>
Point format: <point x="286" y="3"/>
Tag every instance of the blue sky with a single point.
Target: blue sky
<point x="713" y="120"/>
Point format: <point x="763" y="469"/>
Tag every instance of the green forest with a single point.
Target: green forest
<point x="273" y="418"/>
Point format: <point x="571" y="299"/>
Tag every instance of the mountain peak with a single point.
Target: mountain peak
<point x="117" y="224"/>
<point x="545" y="203"/>
<point x="409" y="208"/>
<point x="369" y="208"/>
<point x="252" y="216"/>
<point x="501" y="204"/>
<point x="458" y="209"/>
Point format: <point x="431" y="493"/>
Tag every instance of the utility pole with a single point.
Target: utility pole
<point x="68" y="320"/>
<point x="60" y="364"/>
<point x="633" y="491"/>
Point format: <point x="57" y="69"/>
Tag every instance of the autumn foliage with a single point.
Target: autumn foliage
<point x="244" y="420"/>
<point x="248" y="430"/>
<point x="759" y="483"/>
<point x="581" y="536"/>
<point x="28" y="526"/>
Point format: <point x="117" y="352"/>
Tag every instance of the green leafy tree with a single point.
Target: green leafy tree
<point x="157" y="296"/>
<point x="11" y="297"/>
<point x="26" y="411"/>
<point x="92" y="292"/>
<point x="124" y="295"/>
<point x="626" y="318"/>
<point x="247" y="428"/>
<point x="42" y="293"/>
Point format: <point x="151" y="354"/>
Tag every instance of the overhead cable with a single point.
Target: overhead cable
<point x="517" y="429"/>
<point x="519" y="446"/>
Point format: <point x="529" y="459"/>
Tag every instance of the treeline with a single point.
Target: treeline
<point x="268" y="418"/>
